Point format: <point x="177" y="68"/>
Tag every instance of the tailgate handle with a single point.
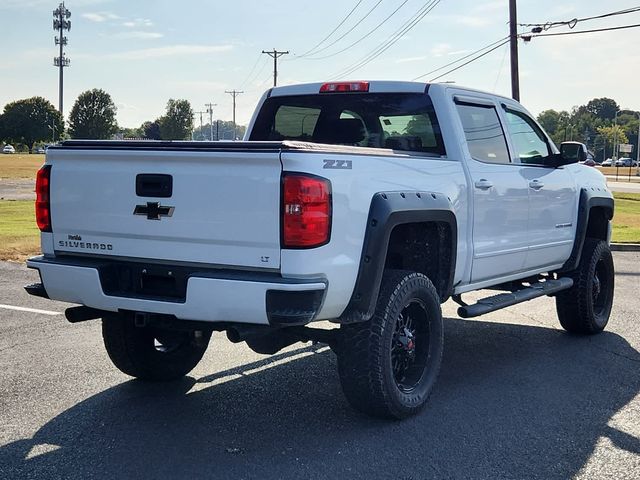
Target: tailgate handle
<point x="157" y="185"/>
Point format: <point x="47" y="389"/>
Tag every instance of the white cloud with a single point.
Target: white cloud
<point x="100" y="17"/>
<point x="170" y="51"/>
<point x="139" y="35"/>
<point x="138" y="23"/>
<point x="440" y="49"/>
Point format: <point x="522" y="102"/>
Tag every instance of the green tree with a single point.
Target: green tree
<point x="131" y="133"/>
<point x="223" y="128"/>
<point x="549" y="119"/>
<point x="604" y="108"/>
<point x="612" y="135"/>
<point x="31" y="120"/>
<point x="93" y="116"/>
<point x="177" y="123"/>
<point x="151" y="130"/>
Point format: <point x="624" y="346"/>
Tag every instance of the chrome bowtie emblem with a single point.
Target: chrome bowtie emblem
<point x="153" y="211"/>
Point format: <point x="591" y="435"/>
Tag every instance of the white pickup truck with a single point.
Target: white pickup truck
<point x="367" y="204"/>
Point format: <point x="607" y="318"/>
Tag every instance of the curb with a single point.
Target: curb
<point x="625" y="247"/>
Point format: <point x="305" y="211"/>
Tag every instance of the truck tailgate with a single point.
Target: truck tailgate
<point x="223" y="207"/>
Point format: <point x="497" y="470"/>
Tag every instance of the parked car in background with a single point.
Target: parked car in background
<point x="39" y="150"/>
<point x="626" y="162"/>
<point x="607" y="163"/>
<point x="8" y="149"/>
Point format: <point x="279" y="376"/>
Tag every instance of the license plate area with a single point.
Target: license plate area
<point x="153" y="282"/>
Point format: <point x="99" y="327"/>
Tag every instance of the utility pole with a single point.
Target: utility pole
<point x="210" y="112"/>
<point x="234" y="94"/>
<point x="513" y="43"/>
<point x="201" y="127"/>
<point x="275" y="54"/>
<point x="61" y="23"/>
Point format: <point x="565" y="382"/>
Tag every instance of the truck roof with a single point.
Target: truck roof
<point x="376" y="86"/>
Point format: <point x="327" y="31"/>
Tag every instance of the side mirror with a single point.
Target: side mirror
<point x="570" y="153"/>
<point x="582" y="155"/>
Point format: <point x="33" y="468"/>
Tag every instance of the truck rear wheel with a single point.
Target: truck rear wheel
<point x="585" y="307"/>
<point x="388" y="365"/>
<point x="152" y="353"/>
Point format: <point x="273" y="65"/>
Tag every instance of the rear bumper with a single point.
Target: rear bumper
<point x="210" y="295"/>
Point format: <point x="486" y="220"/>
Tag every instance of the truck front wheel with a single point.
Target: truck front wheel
<point x="389" y="364"/>
<point x="152" y="353"/>
<point x="585" y="307"/>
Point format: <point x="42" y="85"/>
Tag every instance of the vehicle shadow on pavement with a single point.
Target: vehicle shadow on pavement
<point x="512" y="401"/>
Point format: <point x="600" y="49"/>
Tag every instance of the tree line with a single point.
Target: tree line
<point x="600" y="124"/>
<point x="93" y="116"/>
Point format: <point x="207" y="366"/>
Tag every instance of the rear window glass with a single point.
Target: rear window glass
<point x="404" y="121"/>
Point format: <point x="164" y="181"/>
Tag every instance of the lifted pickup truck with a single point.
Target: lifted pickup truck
<point x="367" y="204"/>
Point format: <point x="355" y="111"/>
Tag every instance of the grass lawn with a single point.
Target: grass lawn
<point x="19" y="235"/>
<point x="626" y="220"/>
<point x="20" y="165"/>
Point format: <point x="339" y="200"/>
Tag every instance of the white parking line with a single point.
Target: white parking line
<point x="32" y="310"/>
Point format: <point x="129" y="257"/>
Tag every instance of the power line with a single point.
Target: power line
<point x="350" y="30"/>
<point x="470" y="61"/>
<point x="573" y="22"/>
<point x="537" y="35"/>
<point x="501" y="41"/>
<point x="391" y="40"/>
<point x="308" y="52"/>
<point x="259" y="72"/>
<point x="364" y="36"/>
<point x="252" y="70"/>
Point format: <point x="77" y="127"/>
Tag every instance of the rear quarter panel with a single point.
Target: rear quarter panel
<point x="352" y="192"/>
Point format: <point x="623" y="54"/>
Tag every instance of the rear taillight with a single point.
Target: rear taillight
<point x="306" y="211"/>
<point x="343" y="87"/>
<point x="43" y="208"/>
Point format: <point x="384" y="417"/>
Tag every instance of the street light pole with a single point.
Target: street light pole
<point x="615" y="137"/>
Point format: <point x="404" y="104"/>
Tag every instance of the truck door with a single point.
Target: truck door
<point x="552" y="193"/>
<point x="500" y="193"/>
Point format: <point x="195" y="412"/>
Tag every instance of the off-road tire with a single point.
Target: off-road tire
<point x="585" y="307"/>
<point x="366" y="353"/>
<point x="136" y="352"/>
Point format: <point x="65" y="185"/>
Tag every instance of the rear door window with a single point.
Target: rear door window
<point x="483" y="132"/>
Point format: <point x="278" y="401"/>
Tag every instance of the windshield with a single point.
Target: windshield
<point x="398" y="121"/>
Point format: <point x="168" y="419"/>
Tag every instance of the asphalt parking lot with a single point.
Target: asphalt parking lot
<point x="517" y="398"/>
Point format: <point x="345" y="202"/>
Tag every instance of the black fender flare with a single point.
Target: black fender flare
<point x="388" y="210"/>
<point x="589" y="199"/>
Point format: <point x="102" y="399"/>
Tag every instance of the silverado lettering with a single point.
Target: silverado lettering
<point x="85" y="245"/>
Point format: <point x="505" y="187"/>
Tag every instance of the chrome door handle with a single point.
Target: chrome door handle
<point x="483" y="184"/>
<point x="536" y="184"/>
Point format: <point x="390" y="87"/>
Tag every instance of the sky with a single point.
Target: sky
<point x="145" y="52"/>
